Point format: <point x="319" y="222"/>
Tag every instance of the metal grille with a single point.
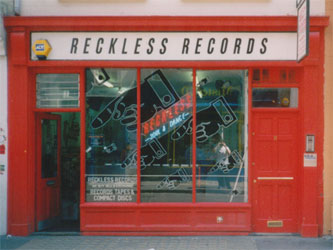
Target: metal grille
<point x="57" y="91"/>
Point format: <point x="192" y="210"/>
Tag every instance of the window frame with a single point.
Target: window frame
<point x="194" y="147"/>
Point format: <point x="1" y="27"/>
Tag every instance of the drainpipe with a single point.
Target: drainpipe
<point x="7" y="8"/>
<point x="331" y="218"/>
<point x="17" y="7"/>
<point x="2" y="31"/>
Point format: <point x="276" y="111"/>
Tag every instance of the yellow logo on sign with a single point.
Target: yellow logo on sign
<point x="42" y="49"/>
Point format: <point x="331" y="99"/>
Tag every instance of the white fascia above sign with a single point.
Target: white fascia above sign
<point x="169" y="46"/>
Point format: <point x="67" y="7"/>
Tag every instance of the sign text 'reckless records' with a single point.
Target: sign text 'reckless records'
<point x="149" y="45"/>
<point x="167" y="46"/>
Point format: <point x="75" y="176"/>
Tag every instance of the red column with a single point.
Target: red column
<point x="20" y="185"/>
<point x="313" y="112"/>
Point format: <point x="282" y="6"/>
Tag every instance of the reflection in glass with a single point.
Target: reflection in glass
<point x="275" y="97"/>
<point x="166" y="135"/>
<point x="49" y="148"/>
<point x="110" y="135"/>
<point x="220" y="149"/>
<point x="166" y="152"/>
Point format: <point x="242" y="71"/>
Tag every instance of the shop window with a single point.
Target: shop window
<point x="256" y="75"/>
<point x="292" y="76"/>
<point x="220" y="149"/>
<point x="57" y="91"/>
<point x="283" y="76"/>
<point x="49" y="148"/>
<point x="166" y="135"/>
<point x="265" y="75"/>
<point x="275" y="76"/>
<point x="110" y="104"/>
<point x="275" y="97"/>
<point x="166" y="148"/>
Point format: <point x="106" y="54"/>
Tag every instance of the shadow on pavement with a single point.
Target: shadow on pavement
<point x="8" y="242"/>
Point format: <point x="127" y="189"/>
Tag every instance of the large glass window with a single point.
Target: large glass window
<point x="220" y="148"/>
<point x="275" y="97"/>
<point x="110" y="104"/>
<point x="166" y="155"/>
<point x="57" y="91"/>
<point x="166" y="135"/>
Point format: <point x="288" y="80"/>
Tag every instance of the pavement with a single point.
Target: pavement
<point x="64" y="242"/>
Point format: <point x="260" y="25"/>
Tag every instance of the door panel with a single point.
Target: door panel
<point x="48" y="170"/>
<point x="266" y="206"/>
<point x="285" y="196"/>
<point x="275" y="161"/>
<point x="264" y="165"/>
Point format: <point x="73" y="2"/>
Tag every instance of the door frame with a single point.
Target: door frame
<point x="33" y="72"/>
<point x="39" y="180"/>
<point x="297" y="171"/>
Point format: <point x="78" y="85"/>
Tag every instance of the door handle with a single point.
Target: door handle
<point x="276" y="178"/>
<point x="50" y="183"/>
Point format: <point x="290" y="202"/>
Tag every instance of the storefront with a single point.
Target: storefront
<point x="165" y="125"/>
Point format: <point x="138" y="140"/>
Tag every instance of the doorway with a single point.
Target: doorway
<point x="58" y="171"/>
<point x="274" y="161"/>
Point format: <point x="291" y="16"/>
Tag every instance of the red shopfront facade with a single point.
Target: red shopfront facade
<point x="229" y="137"/>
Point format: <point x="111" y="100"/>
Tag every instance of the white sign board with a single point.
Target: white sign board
<point x="310" y="160"/>
<point x="169" y="46"/>
<point x="303" y="10"/>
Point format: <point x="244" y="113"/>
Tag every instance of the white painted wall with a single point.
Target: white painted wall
<point x="3" y="157"/>
<point x="6" y="8"/>
<point x="166" y="7"/>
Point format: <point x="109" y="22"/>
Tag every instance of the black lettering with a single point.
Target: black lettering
<point x="100" y="41"/>
<point x="164" y="41"/>
<point x="250" y="46"/>
<point x="198" y="45"/>
<point x="137" y="45"/>
<point x="124" y="45"/>
<point x="112" y="44"/>
<point x="150" y="44"/>
<point x="210" y="50"/>
<point x="264" y="48"/>
<point x="238" y="42"/>
<point x="185" y="45"/>
<point x="75" y="42"/>
<point x="224" y="45"/>
<point x="86" y="45"/>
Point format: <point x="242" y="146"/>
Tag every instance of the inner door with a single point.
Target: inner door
<point x="48" y="170"/>
<point x="274" y="164"/>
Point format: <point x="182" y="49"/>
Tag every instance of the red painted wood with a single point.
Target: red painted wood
<point x="45" y="110"/>
<point x="19" y="54"/>
<point x="175" y="64"/>
<point x="150" y="23"/>
<point x="138" y="141"/>
<point x="20" y="191"/>
<point x="164" y="218"/>
<point x="313" y="108"/>
<point x="47" y="197"/>
<point x="21" y="121"/>
<point x="275" y="154"/>
<point x="164" y="233"/>
<point x="194" y="142"/>
<point x="82" y="138"/>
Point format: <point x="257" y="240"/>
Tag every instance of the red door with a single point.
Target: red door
<point x="274" y="167"/>
<point x="48" y="170"/>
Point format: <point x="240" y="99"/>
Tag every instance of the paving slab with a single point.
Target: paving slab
<point x="77" y="242"/>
